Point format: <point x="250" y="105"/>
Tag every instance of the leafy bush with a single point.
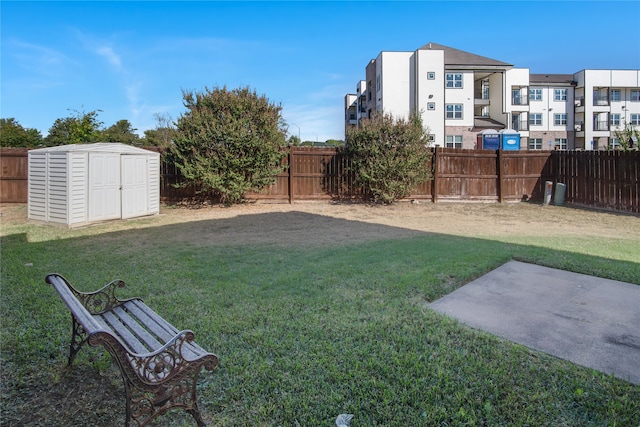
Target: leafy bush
<point x="389" y="156"/>
<point x="229" y="142"/>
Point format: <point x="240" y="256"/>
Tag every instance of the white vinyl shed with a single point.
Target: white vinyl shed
<point x="82" y="183"/>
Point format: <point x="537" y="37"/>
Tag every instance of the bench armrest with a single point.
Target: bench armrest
<point x="97" y="302"/>
<point x="170" y="360"/>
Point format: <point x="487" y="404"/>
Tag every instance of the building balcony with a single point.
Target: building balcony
<point x="600" y="100"/>
<point x="519" y="100"/>
<point x="601" y="126"/>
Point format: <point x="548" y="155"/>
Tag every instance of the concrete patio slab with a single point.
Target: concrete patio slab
<point x="587" y="320"/>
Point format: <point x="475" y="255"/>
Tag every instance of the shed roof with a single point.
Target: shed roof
<point x="101" y="147"/>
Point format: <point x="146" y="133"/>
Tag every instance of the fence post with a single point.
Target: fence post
<point x="290" y="177"/>
<point x="434" y="185"/>
<point x="500" y="176"/>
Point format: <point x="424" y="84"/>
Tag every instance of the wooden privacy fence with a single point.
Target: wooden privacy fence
<point x="13" y="181"/>
<point x="600" y="179"/>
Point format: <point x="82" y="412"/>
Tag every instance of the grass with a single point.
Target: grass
<point x="303" y="333"/>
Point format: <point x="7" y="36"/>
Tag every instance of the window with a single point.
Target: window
<point x="635" y="95"/>
<point x="561" y="143"/>
<point x="615" y="120"/>
<point x="454" y="80"/>
<point x="615" y="95"/>
<point x="453" y="141"/>
<point x="535" y="143"/>
<point x="635" y="120"/>
<point x="535" y="94"/>
<point x="559" y="94"/>
<point x="431" y="106"/>
<point x="614" y="144"/>
<point x="559" y="119"/>
<point x="535" y="119"/>
<point x="453" y="111"/>
<point x="431" y="75"/>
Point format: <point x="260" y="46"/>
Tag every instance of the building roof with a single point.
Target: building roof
<point x="566" y="79"/>
<point x="459" y="57"/>
<point x="483" y="123"/>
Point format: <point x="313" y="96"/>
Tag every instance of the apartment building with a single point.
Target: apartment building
<point x="462" y="96"/>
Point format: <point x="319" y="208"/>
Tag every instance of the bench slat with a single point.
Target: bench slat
<point x="78" y="311"/>
<point x="147" y="316"/>
<point x="140" y="328"/>
<point x="162" y="328"/>
<point x="141" y="310"/>
<point x="123" y="333"/>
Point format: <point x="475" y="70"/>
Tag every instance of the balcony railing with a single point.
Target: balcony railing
<point x="519" y="99"/>
<point x="601" y="125"/>
<point x="520" y="125"/>
<point x="600" y="100"/>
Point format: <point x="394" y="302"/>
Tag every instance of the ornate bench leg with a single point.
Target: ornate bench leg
<point x="78" y="338"/>
<point x="148" y="402"/>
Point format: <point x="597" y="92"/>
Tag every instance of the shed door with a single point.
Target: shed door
<point x="104" y="186"/>
<point x="135" y="195"/>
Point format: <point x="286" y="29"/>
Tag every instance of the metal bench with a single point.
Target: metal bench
<point x="159" y="364"/>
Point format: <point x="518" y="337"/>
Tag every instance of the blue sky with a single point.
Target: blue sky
<point x="133" y="59"/>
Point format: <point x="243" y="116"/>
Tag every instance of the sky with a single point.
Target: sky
<point x="133" y="60"/>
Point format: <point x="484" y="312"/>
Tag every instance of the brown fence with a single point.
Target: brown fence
<point x="599" y="179"/>
<point x="13" y="181"/>
<point x="605" y="180"/>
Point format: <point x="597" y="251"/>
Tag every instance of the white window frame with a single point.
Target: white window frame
<point x="535" y="119"/>
<point x="535" y="94"/>
<point x="453" y="141"/>
<point x="453" y="80"/>
<point x="535" y="143"/>
<point x="614" y="143"/>
<point x="561" y="143"/>
<point x="634" y="119"/>
<point x="614" y="119"/>
<point x="559" y="94"/>
<point x="615" y="95"/>
<point x="560" y="119"/>
<point x="635" y="95"/>
<point x="454" y="111"/>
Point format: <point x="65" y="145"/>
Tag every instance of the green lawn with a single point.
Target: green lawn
<point x="303" y="333"/>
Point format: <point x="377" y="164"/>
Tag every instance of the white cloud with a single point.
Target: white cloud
<point x="111" y="57"/>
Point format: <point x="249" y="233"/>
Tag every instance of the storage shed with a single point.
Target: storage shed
<point x="82" y="183"/>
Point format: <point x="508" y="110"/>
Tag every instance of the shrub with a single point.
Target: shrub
<point x="389" y="156"/>
<point x="229" y="142"/>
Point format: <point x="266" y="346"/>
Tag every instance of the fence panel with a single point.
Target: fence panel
<point x="466" y="174"/>
<point x="13" y="180"/>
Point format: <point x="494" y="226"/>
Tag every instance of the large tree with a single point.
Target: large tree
<point x="122" y="131"/>
<point x="162" y="135"/>
<point x="12" y="134"/>
<point x="79" y="128"/>
<point x="229" y="141"/>
<point x="389" y="156"/>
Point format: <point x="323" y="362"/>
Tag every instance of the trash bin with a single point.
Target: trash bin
<point x="548" y="192"/>
<point x="558" y="197"/>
